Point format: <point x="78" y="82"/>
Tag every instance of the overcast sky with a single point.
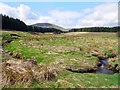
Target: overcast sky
<point x="67" y="15"/>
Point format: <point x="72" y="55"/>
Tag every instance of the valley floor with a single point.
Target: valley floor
<point x="46" y="55"/>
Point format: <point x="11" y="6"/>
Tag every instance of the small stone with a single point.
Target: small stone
<point x="6" y="51"/>
<point x="10" y="53"/>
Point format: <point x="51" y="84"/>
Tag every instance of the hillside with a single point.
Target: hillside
<point x="49" y="25"/>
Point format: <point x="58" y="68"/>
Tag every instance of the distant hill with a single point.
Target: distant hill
<point x="49" y="25"/>
<point x="45" y="25"/>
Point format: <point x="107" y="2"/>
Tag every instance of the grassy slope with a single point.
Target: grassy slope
<point x="67" y="50"/>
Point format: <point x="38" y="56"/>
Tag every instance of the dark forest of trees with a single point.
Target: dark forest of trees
<point x="10" y="23"/>
<point x="96" y="29"/>
<point x="13" y="24"/>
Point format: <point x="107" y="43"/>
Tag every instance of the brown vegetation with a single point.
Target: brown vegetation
<point x="25" y="72"/>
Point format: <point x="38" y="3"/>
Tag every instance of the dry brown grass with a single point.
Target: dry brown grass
<point x="46" y="72"/>
<point x="24" y="72"/>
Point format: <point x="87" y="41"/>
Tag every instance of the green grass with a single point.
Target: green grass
<point x="76" y="80"/>
<point x="67" y="50"/>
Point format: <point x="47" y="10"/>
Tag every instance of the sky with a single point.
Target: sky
<point x="65" y="14"/>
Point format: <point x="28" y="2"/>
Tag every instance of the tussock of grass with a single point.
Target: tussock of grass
<point x="14" y="75"/>
<point x="25" y="72"/>
<point x="46" y="72"/>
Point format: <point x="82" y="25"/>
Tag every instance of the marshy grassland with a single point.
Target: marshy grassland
<point x="53" y="52"/>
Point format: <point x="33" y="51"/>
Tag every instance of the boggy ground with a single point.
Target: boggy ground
<point x="54" y="52"/>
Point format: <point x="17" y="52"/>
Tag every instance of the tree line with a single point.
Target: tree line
<point x="10" y="23"/>
<point x="13" y="24"/>
<point x="96" y="29"/>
